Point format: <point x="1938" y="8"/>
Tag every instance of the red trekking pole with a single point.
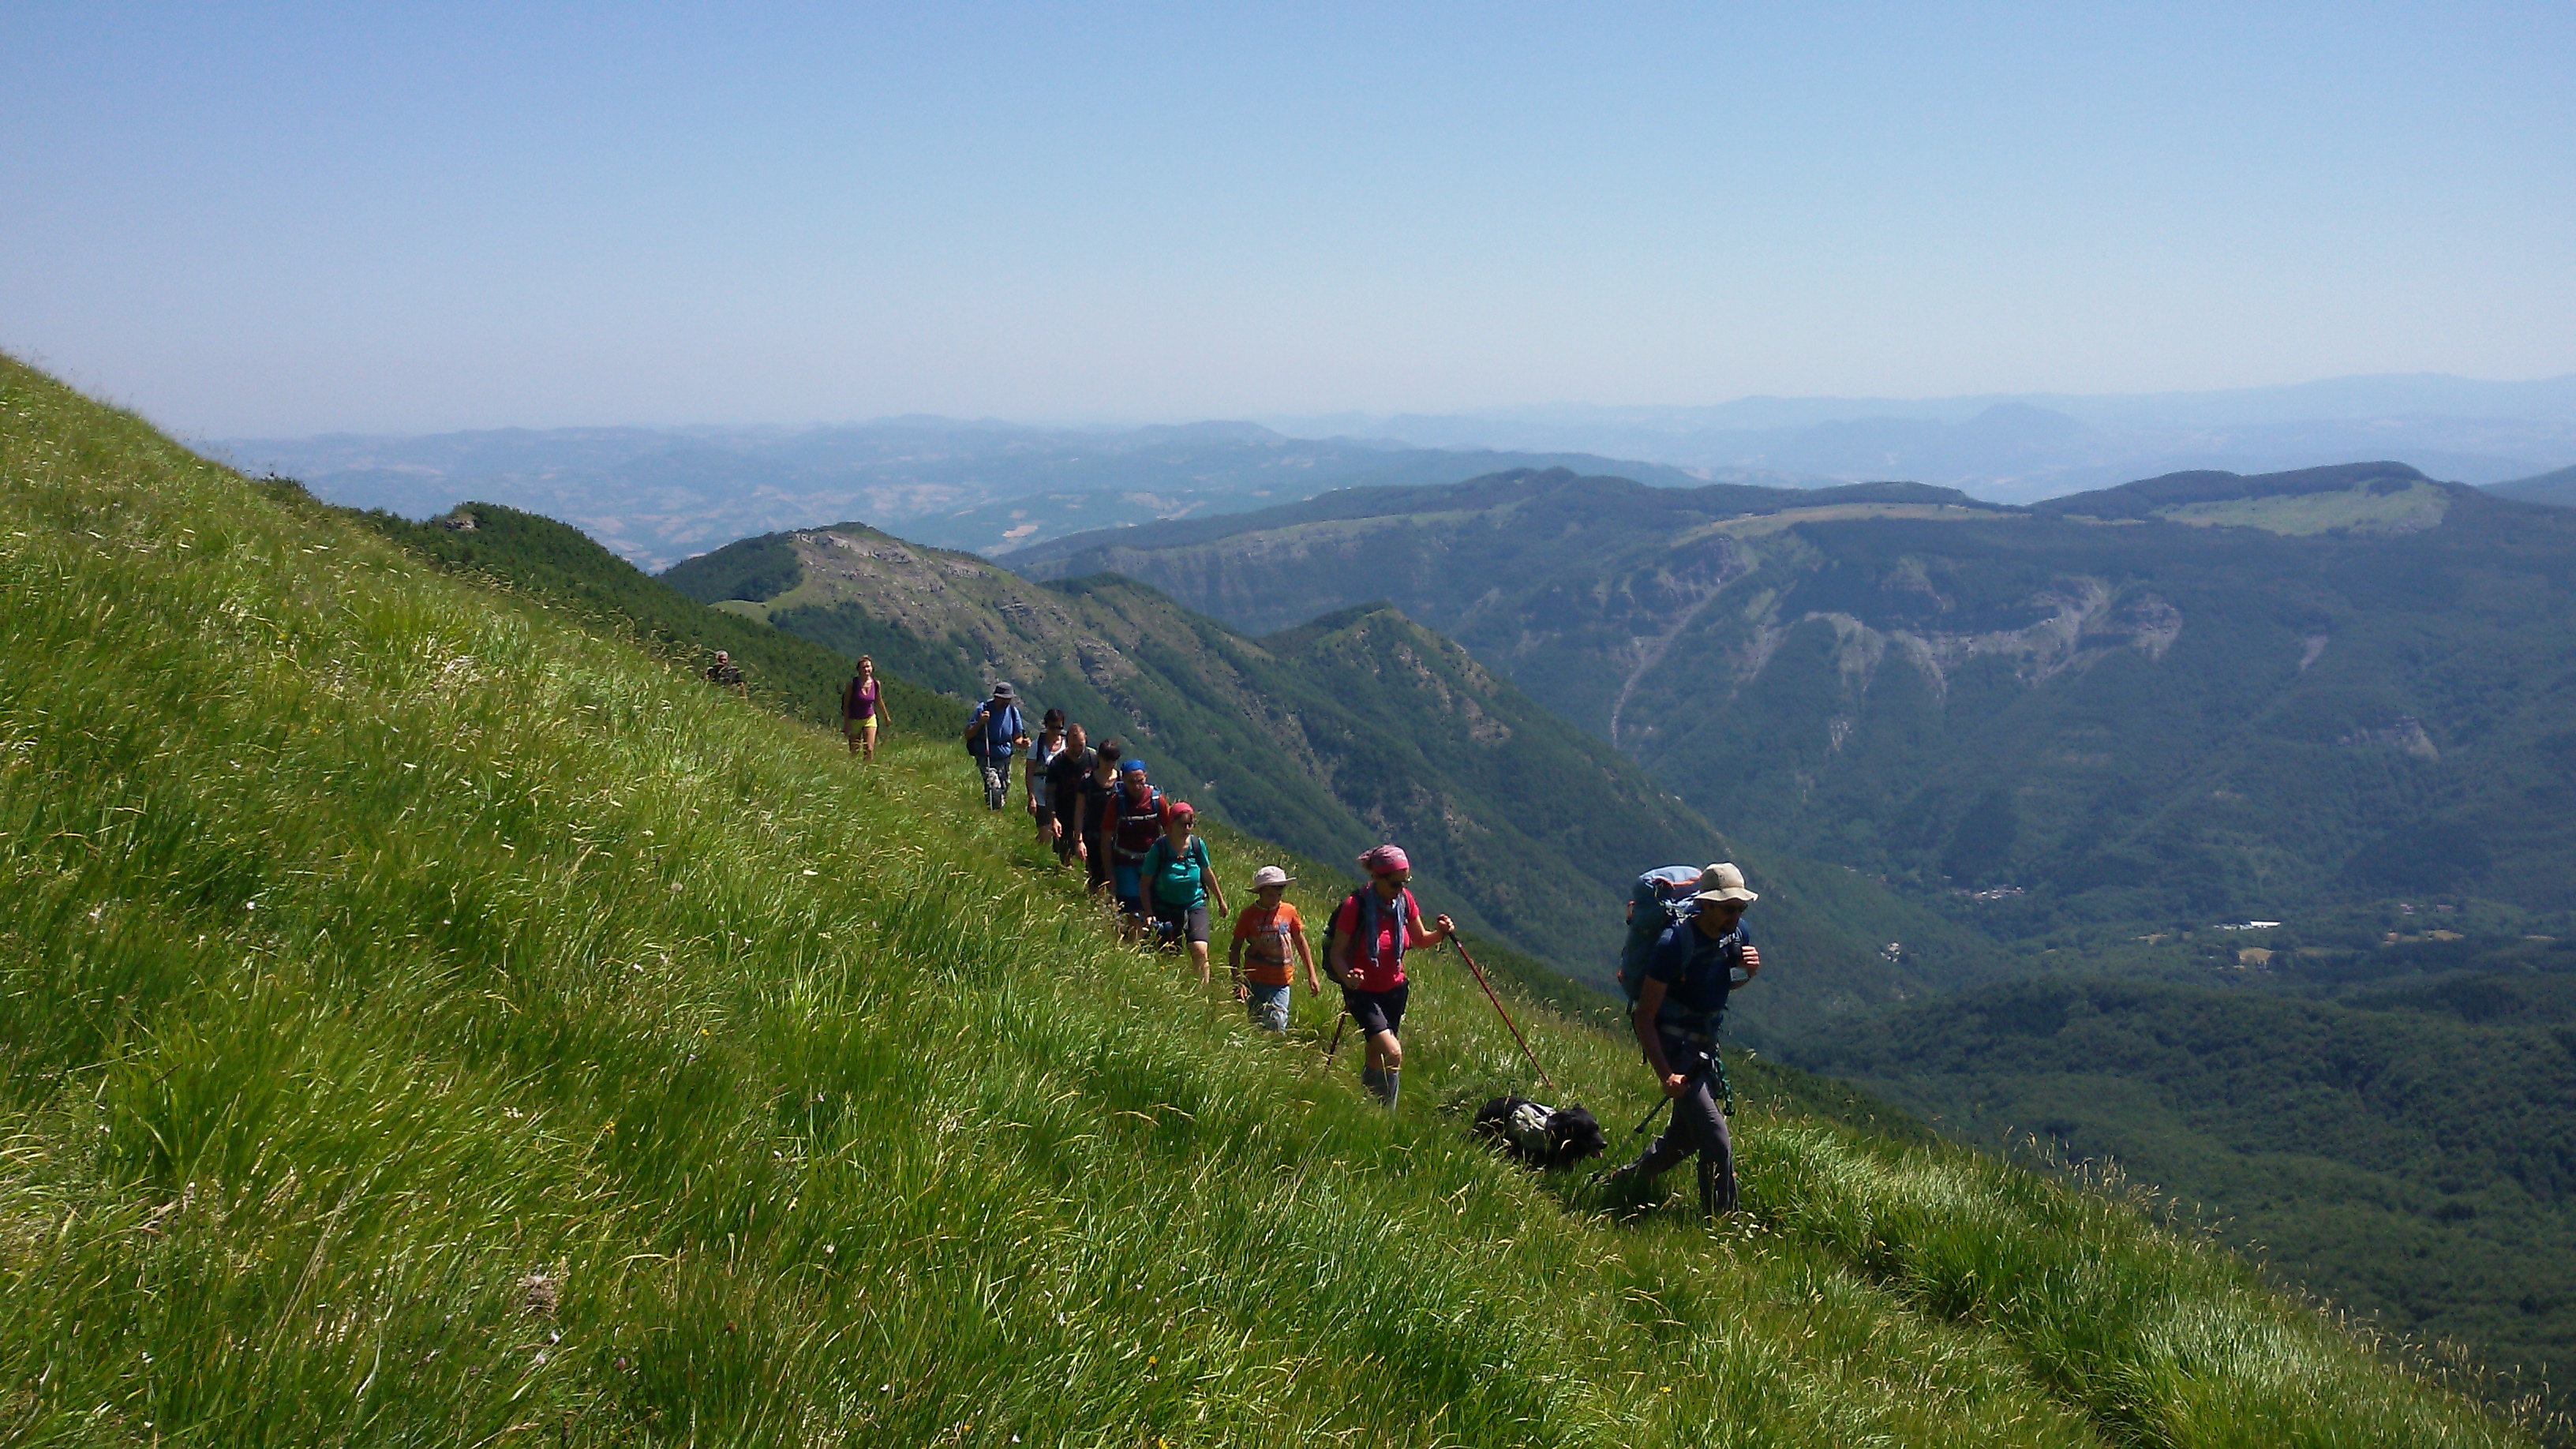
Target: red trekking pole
<point x="1498" y="1011"/>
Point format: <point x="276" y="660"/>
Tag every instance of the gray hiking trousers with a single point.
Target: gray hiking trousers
<point x="1698" y="1128"/>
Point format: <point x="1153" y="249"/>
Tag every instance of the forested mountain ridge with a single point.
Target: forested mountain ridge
<point x="2188" y="697"/>
<point x="1330" y="736"/>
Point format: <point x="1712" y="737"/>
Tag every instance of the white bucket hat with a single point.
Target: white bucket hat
<point x="1723" y="882"/>
<point x="1271" y="875"/>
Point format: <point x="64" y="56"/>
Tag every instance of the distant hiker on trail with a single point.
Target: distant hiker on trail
<point x="1064" y="777"/>
<point x="1364" y="950"/>
<point x="1662" y="896"/>
<point x="1041" y="755"/>
<point x="992" y="732"/>
<point x="1258" y="959"/>
<point x="1680" y="1000"/>
<point x="1098" y="788"/>
<point x="1130" y="824"/>
<point x="862" y="707"/>
<point x="725" y="674"/>
<point x="1180" y="882"/>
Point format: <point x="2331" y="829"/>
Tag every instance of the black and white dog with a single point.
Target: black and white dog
<point x="1540" y="1136"/>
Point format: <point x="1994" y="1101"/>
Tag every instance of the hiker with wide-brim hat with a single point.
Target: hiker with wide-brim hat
<point x="1660" y="897"/>
<point x="1264" y="935"/>
<point x="1680" y="1000"/>
<point x="1180" y="882"/>
<point x="1364" y="950"/>
<point x="993" y="731"/>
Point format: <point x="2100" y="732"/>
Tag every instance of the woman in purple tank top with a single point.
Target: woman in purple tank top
<point x="862" y="706"/>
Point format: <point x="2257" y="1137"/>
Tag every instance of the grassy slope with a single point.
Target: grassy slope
<point x="428" y="1021"/>
<point x="564" y="566"/>
<point x="2409" y="1163"/>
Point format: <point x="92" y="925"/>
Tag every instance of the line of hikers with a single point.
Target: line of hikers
<point x="1686" y="951"/>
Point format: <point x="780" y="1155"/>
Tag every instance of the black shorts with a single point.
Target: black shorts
<point x="1193" y="920"/>
<point x="1376" y="1011"/>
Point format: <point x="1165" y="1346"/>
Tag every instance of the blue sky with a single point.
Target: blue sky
<point x="247" y="219"/>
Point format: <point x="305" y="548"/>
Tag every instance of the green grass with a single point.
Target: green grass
<point x="426" y="1021"/>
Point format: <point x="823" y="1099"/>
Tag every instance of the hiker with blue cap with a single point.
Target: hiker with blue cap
<point x="1130" y="824"/>
<point x="1681" y="997"/>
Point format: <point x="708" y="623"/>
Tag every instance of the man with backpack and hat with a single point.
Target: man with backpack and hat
<point x="1364" y="948"/>
<point x="1660" y="897"/>
<point x="992" y="732"/>
<point x="1680" y="996"/>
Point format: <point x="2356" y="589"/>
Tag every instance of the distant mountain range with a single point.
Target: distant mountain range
<point x="2024" y="447"/>
<point x="656" y="496"/>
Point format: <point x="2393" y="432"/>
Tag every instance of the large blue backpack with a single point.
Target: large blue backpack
<point x="1632" y="963"/>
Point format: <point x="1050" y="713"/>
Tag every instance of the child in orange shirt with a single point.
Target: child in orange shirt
<point x="1266" y="930"/>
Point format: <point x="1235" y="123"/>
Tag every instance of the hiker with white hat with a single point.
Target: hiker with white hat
<point x="1263" y="936"/>
<point x="1681" y="996"/>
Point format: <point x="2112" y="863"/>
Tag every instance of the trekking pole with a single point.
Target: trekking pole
<point x="1660" y="1105"/>
<point x="1344" y="1021"/>
<point x="1498" y="1011"/>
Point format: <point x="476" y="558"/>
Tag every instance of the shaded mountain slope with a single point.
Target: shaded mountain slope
<point x="427" y="1020"/>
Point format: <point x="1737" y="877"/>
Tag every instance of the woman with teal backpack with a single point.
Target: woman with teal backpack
<point x="1179" y="882"/>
